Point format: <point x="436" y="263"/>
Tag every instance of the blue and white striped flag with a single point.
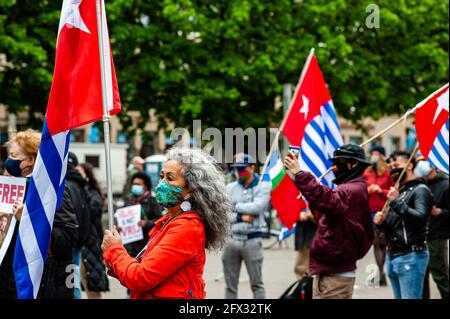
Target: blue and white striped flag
<point x="439" y="152"/>
<point x="322" y="137"/>
<point x="44" y="195"/>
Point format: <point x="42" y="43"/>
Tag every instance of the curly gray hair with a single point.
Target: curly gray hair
<point x="209" y="195"/>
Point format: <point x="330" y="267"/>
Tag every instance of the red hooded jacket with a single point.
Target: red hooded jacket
<point x="172" y="265"/>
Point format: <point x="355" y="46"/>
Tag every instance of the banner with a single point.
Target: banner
<point x="128" y="221"/>
<point x="12" y="189"/>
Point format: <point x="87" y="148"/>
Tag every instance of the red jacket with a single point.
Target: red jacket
<point x="344" y="231"/>
<point x="172" y="265"/>
<point x="377" y="200"/>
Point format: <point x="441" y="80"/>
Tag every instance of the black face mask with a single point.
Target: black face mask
<point x="395" y="174"/>
<point x="344" y="174"/>
<point x="13" y="167"/>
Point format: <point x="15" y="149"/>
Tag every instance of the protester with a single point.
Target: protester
<point x="438" y="227"/>
<point x="378" y="183"/>
<point x="141" y="194"/>
<point x="22" y="154"/>
<point x="92" y="269"/>
<point x="199" y="212"/>
<point x="23" y="151"/>
<point x="304" y="234"/>
<point x="344" y="231"/>
<point x="136" y="165"/>
<point x="250" y="198"/>
<point x="404" y="226"/>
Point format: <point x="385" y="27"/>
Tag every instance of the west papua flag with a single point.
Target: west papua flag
<point x="312" y="122"/>
<point x="75" y="100"/>
<point x="432" y="128"/>
<point x="76" y="94"/>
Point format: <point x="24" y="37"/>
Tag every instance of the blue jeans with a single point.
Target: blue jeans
<point x="407" y="273"/>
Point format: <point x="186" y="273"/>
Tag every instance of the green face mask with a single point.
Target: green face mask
<point x="167" y="195"/>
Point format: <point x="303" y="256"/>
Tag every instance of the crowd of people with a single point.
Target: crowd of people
<point x="398" y="204"/>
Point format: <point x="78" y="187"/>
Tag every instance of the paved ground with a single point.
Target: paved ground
<point x="278" y="275"/>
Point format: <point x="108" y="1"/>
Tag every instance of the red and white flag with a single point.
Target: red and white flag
<point x="76" y="92"/>
<point x="432" y="127"/>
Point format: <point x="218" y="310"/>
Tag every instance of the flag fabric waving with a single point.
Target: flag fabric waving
<point x="76" y="95"/>
<point x="432" y="128"/>
<point x="284" y="192"/>
<point x="75" y="99"/>
<point x="312" y="122"/>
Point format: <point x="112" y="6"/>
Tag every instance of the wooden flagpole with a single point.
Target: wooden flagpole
<point x="397" y="183"/>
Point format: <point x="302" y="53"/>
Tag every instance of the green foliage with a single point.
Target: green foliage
<point x="224" y="62"/>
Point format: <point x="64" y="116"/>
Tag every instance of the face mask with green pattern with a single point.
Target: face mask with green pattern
<point x="167" y="195"/>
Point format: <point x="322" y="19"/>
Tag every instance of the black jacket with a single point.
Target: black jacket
<point x="91" y="252"/>
<point x="57" y="267"/>
<point x="7" y="280"/>
<point x="406" y="221"/>
<point x="76" y="185"/>
<point x="438" y="227"/>
<point x="150" y="213"/>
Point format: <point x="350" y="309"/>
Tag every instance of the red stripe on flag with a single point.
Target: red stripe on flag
<point x="284" y="200"/>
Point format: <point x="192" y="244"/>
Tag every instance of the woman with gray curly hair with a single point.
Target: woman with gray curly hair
<point x="192" y="188"/>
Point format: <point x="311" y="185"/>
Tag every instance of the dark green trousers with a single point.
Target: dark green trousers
<point x="438" y="266"/>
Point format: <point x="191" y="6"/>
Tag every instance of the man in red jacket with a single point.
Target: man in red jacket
<point x="344" y="231"/>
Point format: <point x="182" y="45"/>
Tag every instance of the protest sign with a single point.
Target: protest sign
<point x="128" y="220"/>
<point x="12" y="189"/>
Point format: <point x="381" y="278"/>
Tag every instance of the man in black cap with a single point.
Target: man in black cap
<point x="250" y="202"/>
<point x="344" y="229"/>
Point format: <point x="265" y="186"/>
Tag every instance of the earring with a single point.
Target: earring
<point x="185" y="204"/>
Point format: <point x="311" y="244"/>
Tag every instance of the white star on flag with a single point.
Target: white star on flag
<point x="70" y="15"/>
<point x="442" y="105"/>
<point x="305" y="107"/>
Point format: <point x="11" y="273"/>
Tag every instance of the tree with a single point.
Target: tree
<point x="225" y="62"/>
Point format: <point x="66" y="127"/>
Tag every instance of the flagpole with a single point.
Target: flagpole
<point x="382" y="132"/>
<point x="106" y="116"/>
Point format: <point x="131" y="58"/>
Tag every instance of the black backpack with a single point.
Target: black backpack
<point x="299" y="290"/>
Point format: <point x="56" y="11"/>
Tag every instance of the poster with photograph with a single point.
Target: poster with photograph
<point x="12" y="189"/>
<point x="128" y="220"/>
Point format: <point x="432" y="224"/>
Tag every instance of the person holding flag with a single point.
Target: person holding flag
<point x="344" y="229"/>
<point x="405" y="226"/>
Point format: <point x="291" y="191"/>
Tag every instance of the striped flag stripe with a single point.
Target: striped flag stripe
<point x="37" y="218"/>
<point x="315" y="150"/>
<point x="277" y="179"/>
<point x="331" y="112"/>
<point x="331" y="128"/>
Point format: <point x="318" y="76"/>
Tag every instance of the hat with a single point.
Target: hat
<point x="379" y="149"/>
<point x="351" y="151"/>
<point x="243" y="160"/>
<point x="72" y="159"/>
